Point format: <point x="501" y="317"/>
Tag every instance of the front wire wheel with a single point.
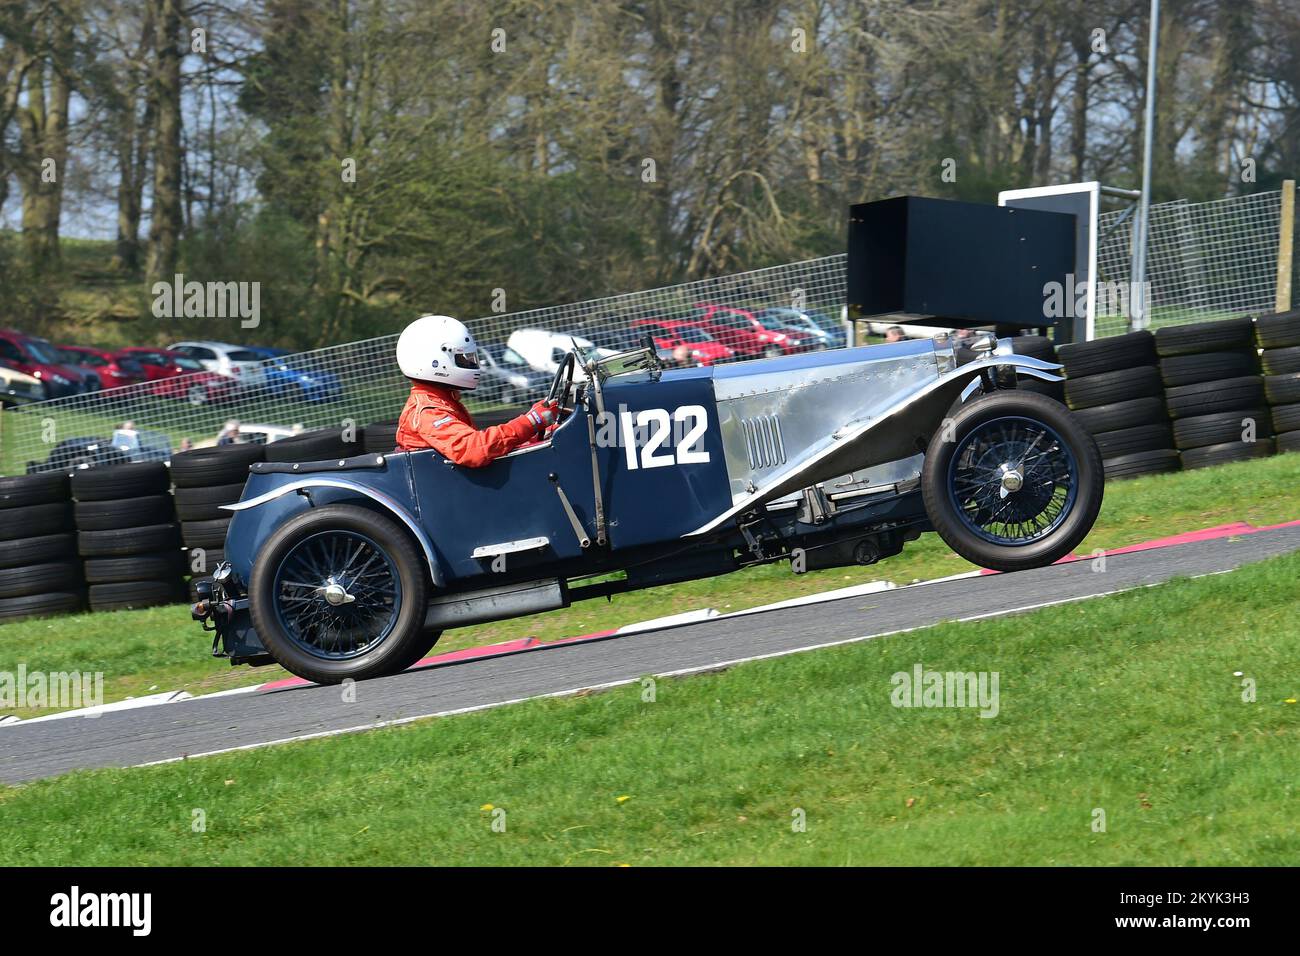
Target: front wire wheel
<point x="1013" y="481"/>
<point x="340" y="592"/>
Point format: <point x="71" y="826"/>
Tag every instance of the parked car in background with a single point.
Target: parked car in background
<point x="745" y="334"/>
<point x="800" y="323"/>
<point x="113" y="369"/>
<point x="125" y="445"/>
<point x="544" y="350"/>
<point x="19" y="388"/>
<point x="232" y="361"/>
<point x="832" y="325"/>
<point x="668" y="334"/>
<point x="41" y="360"/>
<point x="294" y="381"/>
<point x="507" y="378"/>
<point x="172" y="375"/>
<point x="609" y="339"/>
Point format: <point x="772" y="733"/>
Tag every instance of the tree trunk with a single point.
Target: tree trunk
<point x="166" y="220"/>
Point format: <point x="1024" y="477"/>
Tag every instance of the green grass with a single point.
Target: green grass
<point x="162" y="649"/>
<point x="1114" y="704"/>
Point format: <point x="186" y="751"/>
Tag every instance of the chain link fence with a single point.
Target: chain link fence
<point x="1205" y="261"/>
<point x="359" y="383"/>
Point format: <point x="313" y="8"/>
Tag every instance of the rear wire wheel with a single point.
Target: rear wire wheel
<point x="1018" y="484"/>
<point x="339" y="592"/>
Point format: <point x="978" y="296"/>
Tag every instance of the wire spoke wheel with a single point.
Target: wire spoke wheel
<point x="1012" y="480"/>
<point x="337" y="594"/>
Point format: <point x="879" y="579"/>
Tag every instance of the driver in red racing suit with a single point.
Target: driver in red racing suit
<point x="440" y="357"/>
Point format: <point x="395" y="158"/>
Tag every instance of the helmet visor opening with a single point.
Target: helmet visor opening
<point x="467" y="360"/>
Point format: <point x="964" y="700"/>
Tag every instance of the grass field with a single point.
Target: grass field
<point x="1123" y="711"/>
<point x="162" y="649"/>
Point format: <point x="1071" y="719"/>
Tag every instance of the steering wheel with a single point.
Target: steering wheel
<point x="563" y="379"/>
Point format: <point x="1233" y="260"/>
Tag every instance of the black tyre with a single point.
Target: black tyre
<point x="222" y="465"/>
<point x="1053" y="390"/>
<point x="164" y="566"/>
<point x="36" y="520"/>
<point x="107" y="544"/>
<point x="1037" y="346"/>
<point x="121" y="481"/>
<point x="123" y="513"/>
<point x="38" y="550"/>
<point x="1286" y="418"/>
<point x="1288" y="441"/>
<point x="1190" y="369"/>
<point x="1221" y="427"/>
<point x="134" y="594"/>
<point x="1278" y="331"/>
<point x="1185" y="401"/>
<point x="1143" y="463"/>
<point x="1281" y="361"/>
<point x="205" y="504"/>
<point x="1226" y="452"/>
<point x="23" y="490"/>
<point x="1019" y="484"/>
<point x="1130" y="441"/>
<point x="339" y="592"/>
<point x="40" y="579"/>
<point x="379" y="438"/>
<point x="1220" y="336"/>
<point x="1130" y="414"/>
<point x="205" y="534"/>
<point x="41" y="605"/>
<point x="1109" y="387"/>
<point x="1282" y="389"/>
<point x="1110" y="354"/>
<point x="202" y="561"/>
<point x="313" y="446"/>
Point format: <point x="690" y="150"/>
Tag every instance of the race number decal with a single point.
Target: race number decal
<point x="686" y="425"/>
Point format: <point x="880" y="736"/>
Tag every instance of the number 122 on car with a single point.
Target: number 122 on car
<point x="691" y="422"/>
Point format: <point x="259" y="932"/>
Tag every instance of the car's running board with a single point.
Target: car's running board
<point x="495" y="604"/>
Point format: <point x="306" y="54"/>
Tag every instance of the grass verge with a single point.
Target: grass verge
<point x="162" y="649"/>
<point x="1114" y="707"/>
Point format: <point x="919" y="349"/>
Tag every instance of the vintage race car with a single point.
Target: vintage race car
<point x="353" y="568"/>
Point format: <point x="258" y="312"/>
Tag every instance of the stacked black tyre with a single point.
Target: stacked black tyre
<point x="324" y="445"/>
<point x="127" y="535"/>
<point x="1214" y="392"/>
<point x="1279" y="337"/>
<point x="379" y="438"/>
<point x="205" y="480"/>
<point x="1114" y="388"/>
<point x="39" y="570"/>
<point x="1039" y="347"/>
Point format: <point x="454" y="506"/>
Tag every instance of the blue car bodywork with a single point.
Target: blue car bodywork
<point x="660" y="475"/>
<point x="284" y="380"/>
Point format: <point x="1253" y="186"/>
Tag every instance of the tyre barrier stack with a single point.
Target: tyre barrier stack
<point x="379" y="438"/>
<point x="315" y="446"/>
<point x="206" y="479"/>
<point x="1039" y="347"/>
<point x="40" y="573"/>
<point x="1114" y="388"/>
<point x="127" y="535"/>
<point x="1214" y="392"/>
<point x="1279" y="338"/>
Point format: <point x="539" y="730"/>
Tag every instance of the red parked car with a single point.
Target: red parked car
<point x="113" y="369"/>
<point x="670" y="333"/>
<point x="178" y="376"/>
<point x="747" y="335"/>
<point x="42" y="360"/>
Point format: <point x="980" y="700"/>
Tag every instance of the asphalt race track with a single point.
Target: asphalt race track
<point x="204" y="725"/>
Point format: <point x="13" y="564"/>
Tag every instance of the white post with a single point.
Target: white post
<point x="1139" y="315"/>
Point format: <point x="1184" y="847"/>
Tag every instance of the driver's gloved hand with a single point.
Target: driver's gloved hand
<point x="544" y="414"/>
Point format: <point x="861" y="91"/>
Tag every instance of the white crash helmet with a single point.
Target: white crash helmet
<point x="439" y="349"/>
